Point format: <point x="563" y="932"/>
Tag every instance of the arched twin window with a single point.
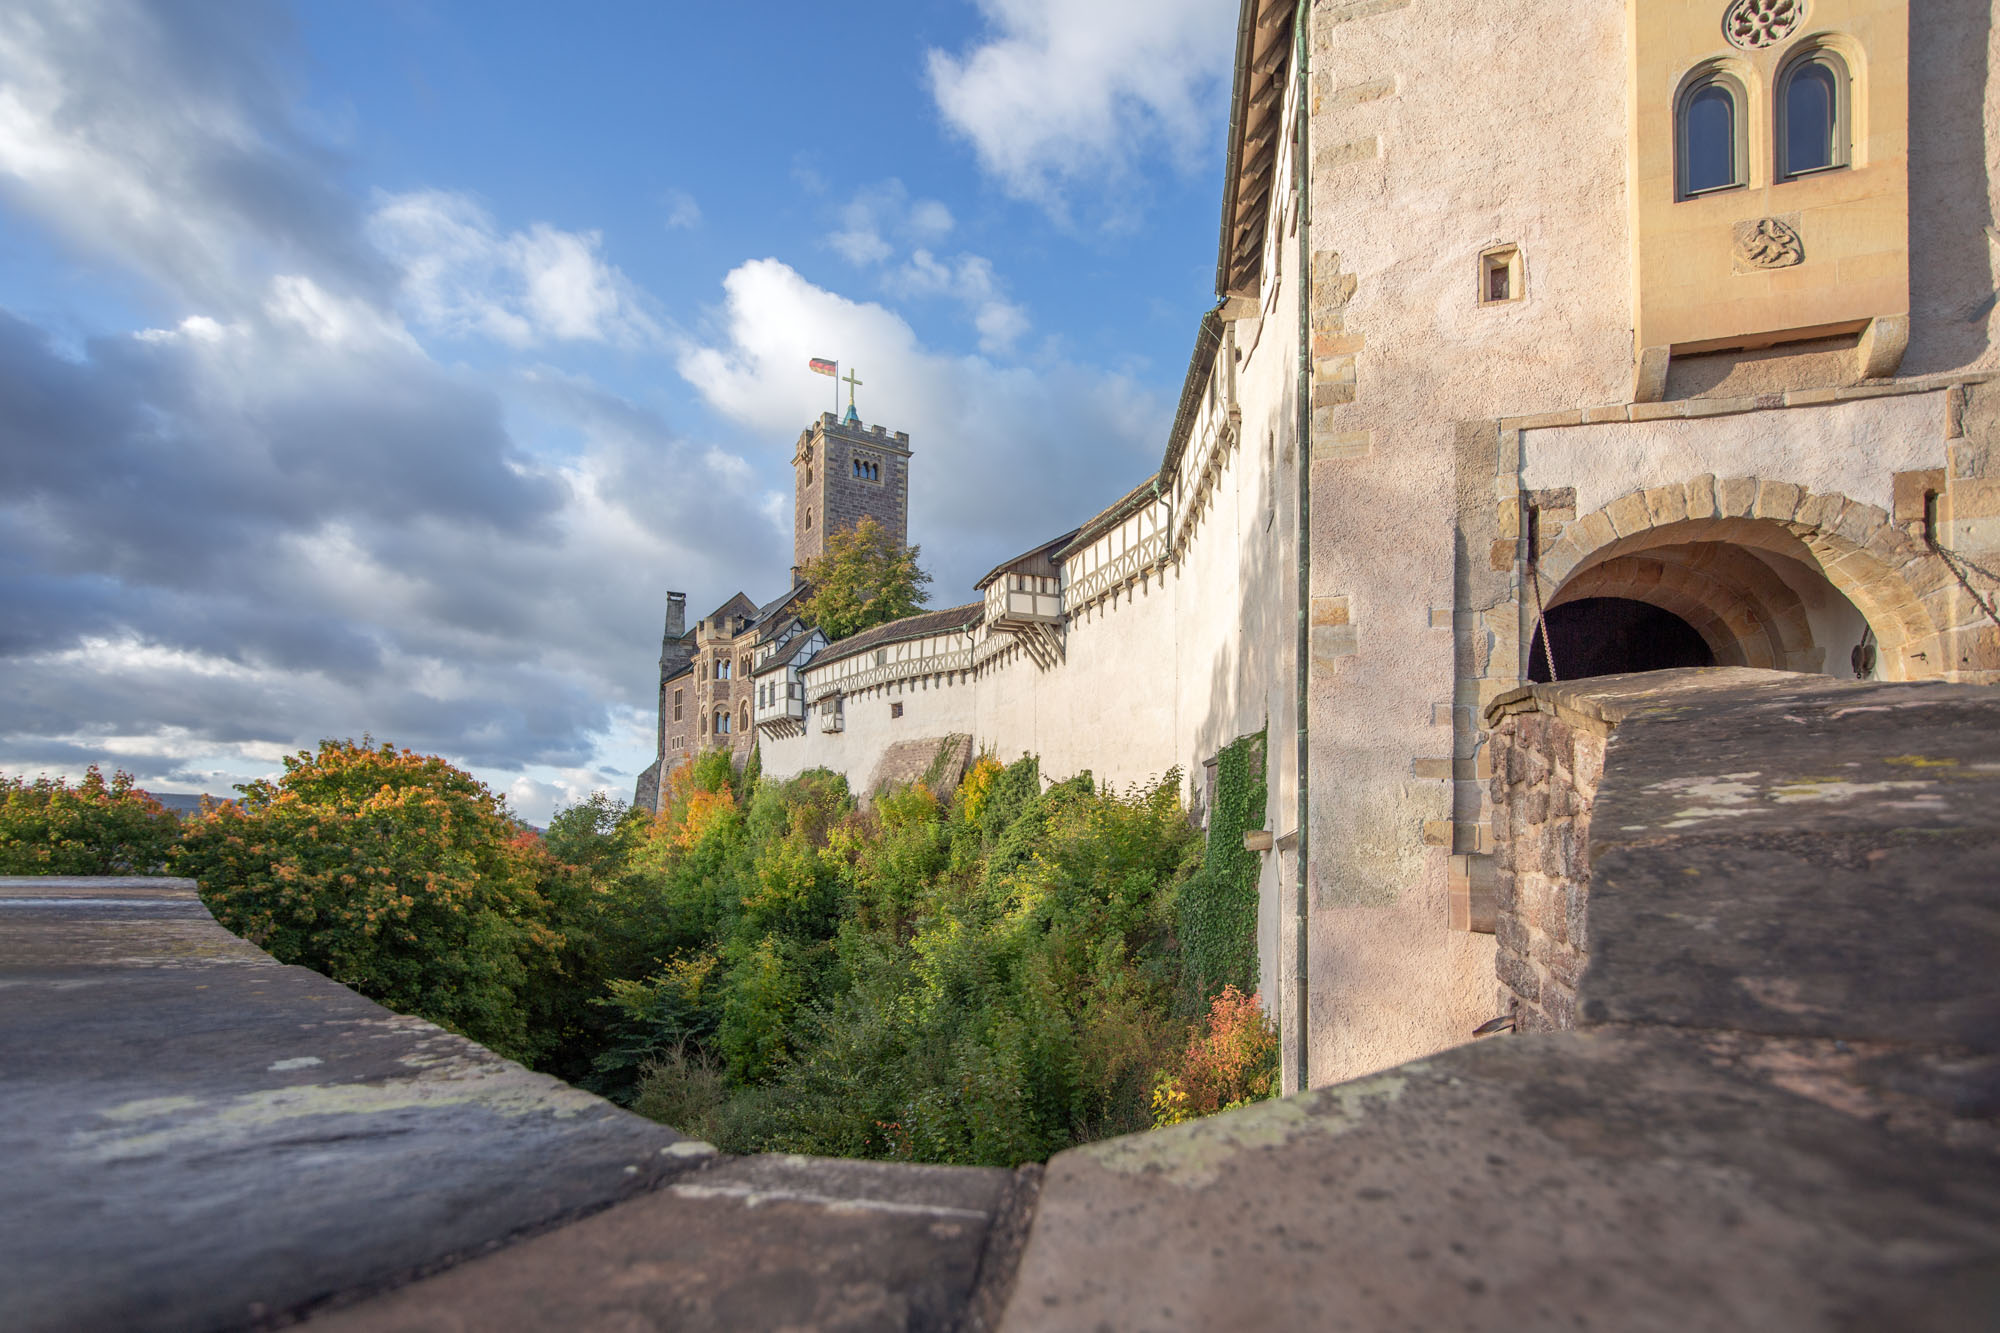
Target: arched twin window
<point x="1810" y="124"/>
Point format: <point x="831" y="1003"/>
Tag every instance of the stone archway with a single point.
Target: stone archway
<point x="1742" y="610"/>
<point x="1694" y="549"/>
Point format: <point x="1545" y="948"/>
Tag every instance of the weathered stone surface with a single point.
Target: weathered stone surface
<point x="1778" y="1108"/>
<point x="197" y="1136"/>
<point x="1803" y="861"/>
<point x="747" y="1243"/>
<point x="1602" y="1180"/>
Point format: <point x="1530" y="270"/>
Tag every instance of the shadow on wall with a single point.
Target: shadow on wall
<point x="1951" y="255"/>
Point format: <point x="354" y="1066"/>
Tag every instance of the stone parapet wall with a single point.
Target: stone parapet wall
<point x="1547" y="768"/>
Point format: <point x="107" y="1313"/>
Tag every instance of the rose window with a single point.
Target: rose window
<point x="1754" y="24"/>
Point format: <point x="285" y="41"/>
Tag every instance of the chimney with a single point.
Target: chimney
<point x="798" y="575"/>
<point x="677" y="606"/>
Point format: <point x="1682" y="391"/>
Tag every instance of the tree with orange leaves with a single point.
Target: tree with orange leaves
<point x="391" y="872"/>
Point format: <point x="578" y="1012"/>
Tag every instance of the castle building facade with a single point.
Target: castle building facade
<point x="1549" y="341"/>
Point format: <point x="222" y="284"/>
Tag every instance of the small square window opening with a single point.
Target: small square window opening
<point x="895" y="710"/>
<point x="1500" y="275"/>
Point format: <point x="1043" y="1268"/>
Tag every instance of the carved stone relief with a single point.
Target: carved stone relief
<point x="1755" y="24"/>
<point x="1764" y="243"/>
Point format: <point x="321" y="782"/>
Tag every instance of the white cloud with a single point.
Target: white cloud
<point x="969" y="280"/>
<point x="1005" y="456"/>
<point x="880" y="218"/>
<point x="878" y="221"/>
<point x="279" y="518"/>
<point x="462" y="276"/>
<point x="1060" y="93"/>
<point x="149" y="136"/>
<point x="683" y="213"/>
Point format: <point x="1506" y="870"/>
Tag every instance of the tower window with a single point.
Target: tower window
<point x="1710" y="138"/>
<point x="1812" y="114"/>
<point x="809" y="520"/>
<point x="677" y="705"/>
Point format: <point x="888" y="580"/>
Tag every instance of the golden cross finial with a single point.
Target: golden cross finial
<point x="852" y="383"/>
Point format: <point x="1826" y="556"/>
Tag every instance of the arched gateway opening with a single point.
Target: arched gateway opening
<point x="1820" y="586"/>
<point x="1609" y="636"/>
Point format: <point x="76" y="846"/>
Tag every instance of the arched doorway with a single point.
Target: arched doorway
<point x="1609" y="636"/>
<point x="1811" y="583"/>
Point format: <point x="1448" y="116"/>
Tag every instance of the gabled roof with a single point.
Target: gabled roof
<point x="778" y="604"/>
<point x="740" y="604"/>
<point x="684" y="669"/>
<point x="786" y="655"/>
<point x="909" y="627"/>
<point x="1047" y="551"/>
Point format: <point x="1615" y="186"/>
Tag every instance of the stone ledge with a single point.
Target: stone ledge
<point x="1622" y="413"/>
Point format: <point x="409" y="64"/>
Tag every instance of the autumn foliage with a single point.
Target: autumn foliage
<point x="985" y="972"/>
<point x="392" y="872"/>
<point x="864" y="579"/>
<point x="97" y="827"/>
<point x="1231" y="1059"/>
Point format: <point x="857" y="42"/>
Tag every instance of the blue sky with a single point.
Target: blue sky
<point x="374" y="367"/>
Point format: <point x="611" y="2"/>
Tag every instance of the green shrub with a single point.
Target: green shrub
<point x="48" y="827"/>
<point x="393" y="873"/>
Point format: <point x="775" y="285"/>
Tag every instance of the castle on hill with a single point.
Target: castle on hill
<point x="1634" y="355"/>
<point x="713" y="675"/>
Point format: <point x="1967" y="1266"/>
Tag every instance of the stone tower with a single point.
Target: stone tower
<point x="843" y="472"/>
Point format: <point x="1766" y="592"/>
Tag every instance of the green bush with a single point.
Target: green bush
<point x="985" y="977"/>
<point x="393" y="873"/>
<point x="48" y="827"/>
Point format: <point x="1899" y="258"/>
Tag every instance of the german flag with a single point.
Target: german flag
<point x="821" y="367"/>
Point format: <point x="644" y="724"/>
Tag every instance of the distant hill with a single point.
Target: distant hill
<point x="185" y="803"/>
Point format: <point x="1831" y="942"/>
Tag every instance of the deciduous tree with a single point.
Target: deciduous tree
<point x="394" y="873"/>
<point x="48" y="827"/>
<point x="864" y="579"/>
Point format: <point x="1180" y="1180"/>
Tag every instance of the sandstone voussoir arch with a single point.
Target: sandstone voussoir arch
<point x="1707" y="578"/>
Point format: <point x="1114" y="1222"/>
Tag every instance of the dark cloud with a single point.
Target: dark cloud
<point x="282" y="520"/>
<point x="166" y="134"/>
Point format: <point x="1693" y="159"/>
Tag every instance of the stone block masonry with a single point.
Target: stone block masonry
<point x="845" y="472"/>
<point x="1543" y="787"/>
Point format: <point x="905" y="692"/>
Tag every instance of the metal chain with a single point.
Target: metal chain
<point x="1951" y="560"/>
<point x="1541" y="623"/>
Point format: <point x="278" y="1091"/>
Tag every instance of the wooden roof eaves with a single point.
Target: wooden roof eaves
<point x="1256" y="109"/>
